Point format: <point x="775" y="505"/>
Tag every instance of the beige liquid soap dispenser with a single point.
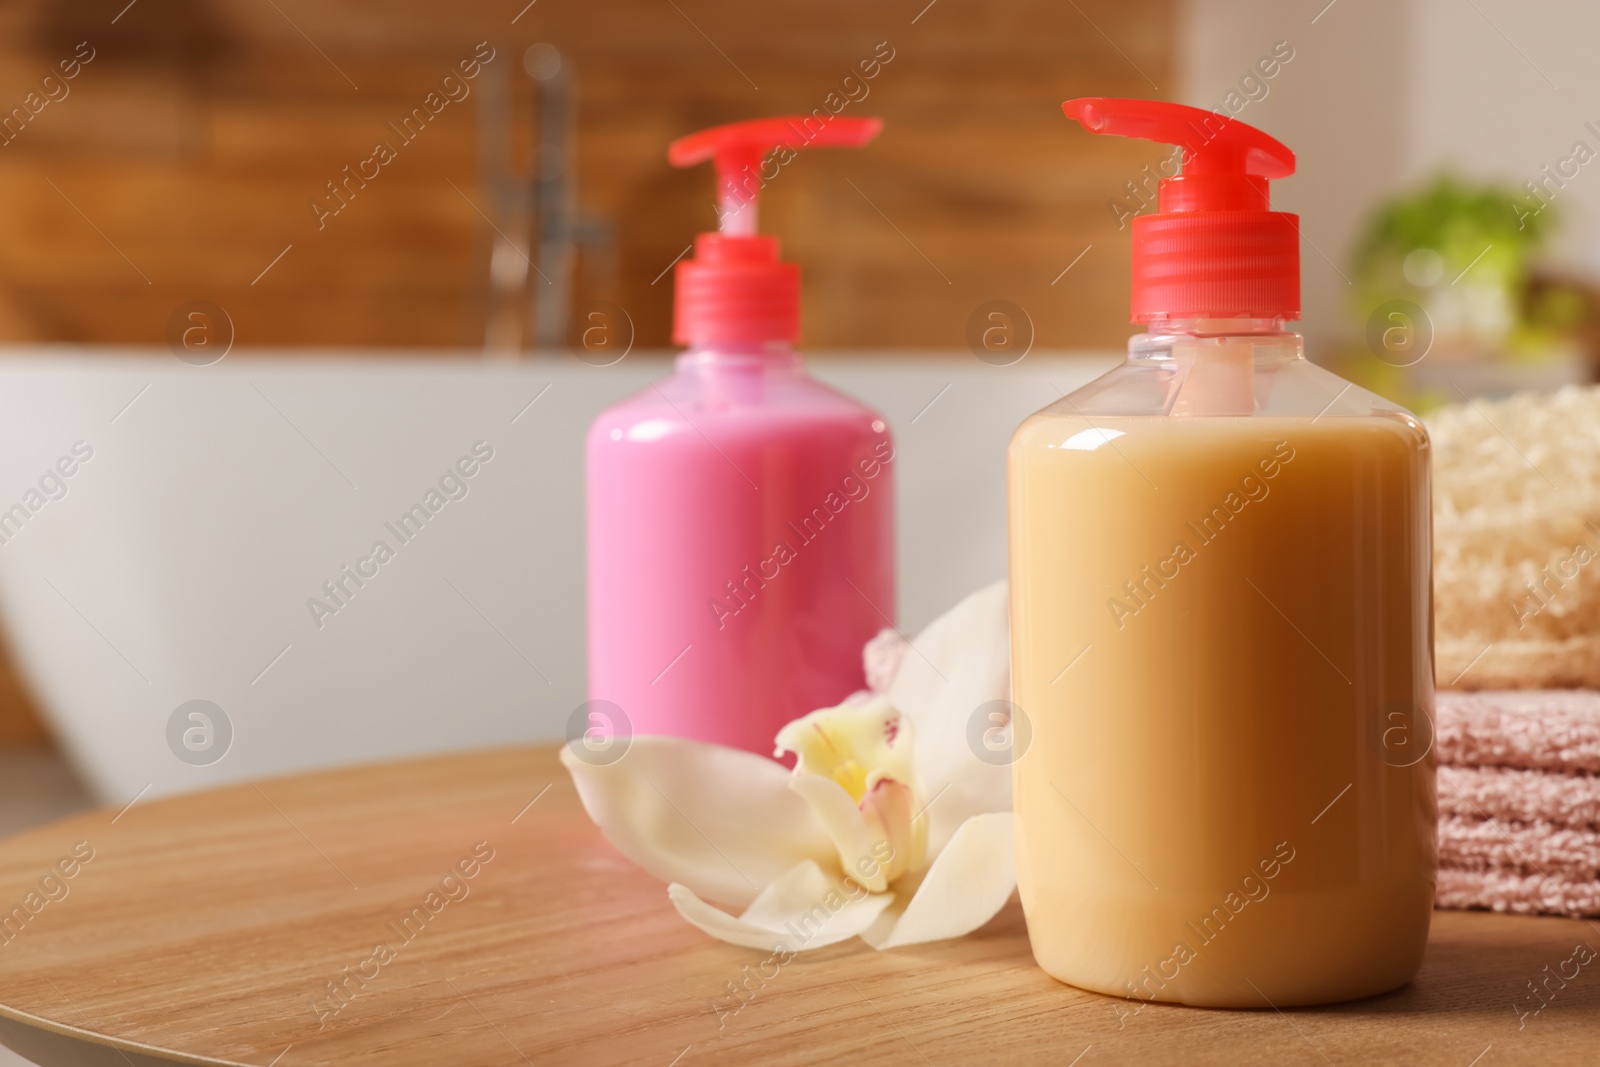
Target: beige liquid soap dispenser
<point x="1222" y="627"/>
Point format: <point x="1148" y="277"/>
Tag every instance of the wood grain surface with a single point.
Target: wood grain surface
<point x="207" y="929"/>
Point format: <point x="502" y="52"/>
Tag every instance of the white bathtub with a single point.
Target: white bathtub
<point x="178" y="564"/>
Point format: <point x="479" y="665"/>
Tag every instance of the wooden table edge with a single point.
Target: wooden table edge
<point x="74" y="1042"/>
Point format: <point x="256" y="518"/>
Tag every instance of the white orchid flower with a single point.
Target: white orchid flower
<point x="890" y="828"/>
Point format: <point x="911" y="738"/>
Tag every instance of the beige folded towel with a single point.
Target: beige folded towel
<point x="1516" y="541"/>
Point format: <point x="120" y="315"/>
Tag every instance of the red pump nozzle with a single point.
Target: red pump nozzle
<point x="1214" y="248"/>
<point x="736" y="289"/>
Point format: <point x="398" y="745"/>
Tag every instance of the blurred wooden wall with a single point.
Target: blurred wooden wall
<point x="187" y="152"/>
<point x="183" y="158"/>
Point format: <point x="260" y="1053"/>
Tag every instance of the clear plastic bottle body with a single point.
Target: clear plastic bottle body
<point x="1222" y="641"/>
<point x="741" y="547"/>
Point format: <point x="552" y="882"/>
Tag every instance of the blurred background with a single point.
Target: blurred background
<point x="198" y="137"/>
<point x="162" y="152"/>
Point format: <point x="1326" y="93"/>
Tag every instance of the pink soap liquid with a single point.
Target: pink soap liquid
<point x="741" y="547"/>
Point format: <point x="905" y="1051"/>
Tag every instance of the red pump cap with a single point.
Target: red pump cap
<point x="736" y="289"/>
<point x="1214" y="248"/>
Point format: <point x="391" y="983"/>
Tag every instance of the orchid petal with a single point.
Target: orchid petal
<point x="721" y="821"/>
<point x="803" y="909"/>
<point x="880" y="659"/>
<point x="891" y="815"/>
<point x="956" y="667"/>
<point x="861" y="853"/>
<point x="966" y="886"/>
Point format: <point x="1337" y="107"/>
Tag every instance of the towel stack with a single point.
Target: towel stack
<point x="1519" y="801"/>
<point x="1516" y="566"/>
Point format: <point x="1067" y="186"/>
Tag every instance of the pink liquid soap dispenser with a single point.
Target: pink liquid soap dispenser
<point x="740" y="513"/>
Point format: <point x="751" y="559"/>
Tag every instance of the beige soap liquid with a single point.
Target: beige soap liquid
<point x="1221" y="644"/>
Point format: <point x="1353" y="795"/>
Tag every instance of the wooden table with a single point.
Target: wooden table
<point x="207" y="929"/>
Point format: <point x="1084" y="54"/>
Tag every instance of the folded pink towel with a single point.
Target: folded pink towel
<point x="1523" y="894"/>
<point x="1519" y="801"/>
<point x="1536" y="848"/>
<point x="1541" y="730"/>
<point x="1504" y="793"/>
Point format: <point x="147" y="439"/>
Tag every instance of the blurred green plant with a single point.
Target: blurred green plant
<point x="1464" y="253"/>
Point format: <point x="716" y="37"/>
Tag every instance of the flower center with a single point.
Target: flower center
<point x="853" y="777"/>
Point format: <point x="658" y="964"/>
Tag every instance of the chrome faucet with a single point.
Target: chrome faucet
<point x="539" y="239"/>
